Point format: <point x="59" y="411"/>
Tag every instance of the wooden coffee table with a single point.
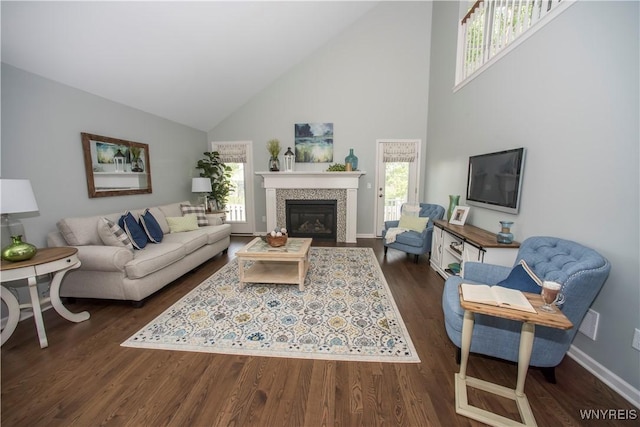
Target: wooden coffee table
<point x="260" y="263"/>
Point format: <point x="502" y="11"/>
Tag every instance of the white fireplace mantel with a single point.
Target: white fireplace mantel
<point x="348" y="181"/>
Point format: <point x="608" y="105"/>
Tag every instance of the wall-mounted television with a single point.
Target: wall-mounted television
<point x="495" y="180"/>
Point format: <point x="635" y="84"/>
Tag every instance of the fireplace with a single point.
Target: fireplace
<point x="302" y="185"/>
<point x="312" y="218"/>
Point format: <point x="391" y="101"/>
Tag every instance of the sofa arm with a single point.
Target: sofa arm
<point x="391" y="224"/>
<point x="104" y="258"/>
<point x="489" y="274"/>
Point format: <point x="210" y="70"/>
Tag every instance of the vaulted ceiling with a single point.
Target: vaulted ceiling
<point x="190" y="62"/>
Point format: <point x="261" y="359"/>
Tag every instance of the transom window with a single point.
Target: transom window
<point x="491" y="28"/>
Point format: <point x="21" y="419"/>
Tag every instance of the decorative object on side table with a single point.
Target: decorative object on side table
<point x="273" y="147"/>
<point x="505" y="235"/>
<point x="459" y="216"/>
<point x="277" y="237"/>
<point x="18" y="250"/>
<point x="220" y="176"/>
<point x="17" y="197"/>
<point x="453" y="202"/>
<point x="351" y="161"/>
<point x="289" y="160"/>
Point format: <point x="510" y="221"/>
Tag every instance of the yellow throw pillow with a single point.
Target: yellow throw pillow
<point x="178" y="224"/>
<point x="414" y="223"/>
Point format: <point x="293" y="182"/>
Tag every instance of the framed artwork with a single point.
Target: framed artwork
<point x="459" y="215"/>
<point x="115" y="167"/>
<point x="313" y="142"/>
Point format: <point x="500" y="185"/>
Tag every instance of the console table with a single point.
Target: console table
<point x="458" y="243"/>
<point x="56" y="261"/>
<point x="553" y="320"/>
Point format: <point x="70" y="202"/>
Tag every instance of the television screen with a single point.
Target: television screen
<point x="495" y="180"/>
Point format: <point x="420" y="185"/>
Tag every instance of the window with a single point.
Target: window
<point x="491" y="28"/>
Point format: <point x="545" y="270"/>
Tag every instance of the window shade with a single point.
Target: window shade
<point x="399" y="152"/>
<point x="232" y="153"/>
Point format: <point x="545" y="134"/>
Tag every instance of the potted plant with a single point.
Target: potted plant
<point x="220" y="175"/>
<point x="273" y="147"/>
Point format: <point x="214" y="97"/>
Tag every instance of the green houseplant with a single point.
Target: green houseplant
<point x="273" y="147"/>
<point x="220" y="175"/>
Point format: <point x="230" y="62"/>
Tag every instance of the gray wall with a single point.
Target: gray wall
<point x="371" y="82"/>
<point x="569" y="94"/>
<point x="41" y="125"/>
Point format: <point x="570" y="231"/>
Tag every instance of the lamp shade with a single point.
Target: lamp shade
<point x="16" y="195"/>
<point x="200" y="185"/>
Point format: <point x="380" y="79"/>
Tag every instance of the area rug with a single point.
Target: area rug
<point x="346" y="312"/>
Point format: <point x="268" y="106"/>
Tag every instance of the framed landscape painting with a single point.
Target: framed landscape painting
<point x="314" y="142"/>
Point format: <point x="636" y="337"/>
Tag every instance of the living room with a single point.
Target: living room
<point x="569" y="94"/>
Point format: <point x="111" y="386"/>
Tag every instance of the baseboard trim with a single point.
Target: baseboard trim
<point x="620" y="386"/>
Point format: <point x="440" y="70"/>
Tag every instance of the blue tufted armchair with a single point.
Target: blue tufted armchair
<point x="580" y="270"/>
<point x="413" y="242"/>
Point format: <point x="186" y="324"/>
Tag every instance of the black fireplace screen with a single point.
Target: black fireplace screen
<point x="312" y="218"/>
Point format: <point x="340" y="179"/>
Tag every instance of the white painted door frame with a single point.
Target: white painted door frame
<point x="247" y="227"/>
<point x="414" y="180"/>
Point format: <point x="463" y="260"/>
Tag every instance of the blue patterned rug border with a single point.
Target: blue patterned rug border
<point x="360" y="311"/>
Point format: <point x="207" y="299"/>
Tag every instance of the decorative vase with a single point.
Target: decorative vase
<point x="453" y="202"/>
<point x="274" y="164"/>
<point x="351" y="159"/>
<point x="505" y="235"/>
<point x="18" y="250"/>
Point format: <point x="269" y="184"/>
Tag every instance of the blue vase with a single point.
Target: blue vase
<point x="351" y="158"/>
<point x="453" y="202"/>
<point x="505" y="235"/>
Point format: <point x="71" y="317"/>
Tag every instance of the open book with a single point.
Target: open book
<point x="497" y="296"/>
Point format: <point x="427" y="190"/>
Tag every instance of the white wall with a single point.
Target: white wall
<point x="570" y="95"/>
<point x="41" y="125"/>
<point x="371" y="82"/>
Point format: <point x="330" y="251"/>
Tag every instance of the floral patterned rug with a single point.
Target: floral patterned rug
<point x="346" y="312"/>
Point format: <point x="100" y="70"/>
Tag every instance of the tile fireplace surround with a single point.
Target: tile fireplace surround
<point x="339" y="186"/>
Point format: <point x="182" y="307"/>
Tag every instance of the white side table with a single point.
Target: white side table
<point x="56" y="261"/>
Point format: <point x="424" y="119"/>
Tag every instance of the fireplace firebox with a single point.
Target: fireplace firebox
<point x="312" y="218"/>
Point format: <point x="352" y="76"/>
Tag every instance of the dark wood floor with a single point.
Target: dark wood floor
<point x="85" y="378"/>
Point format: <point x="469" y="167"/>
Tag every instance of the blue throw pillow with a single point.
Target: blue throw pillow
<point x="136" y="234"/>
<point x="523" y="279"/>
<point x="151" y="227"/>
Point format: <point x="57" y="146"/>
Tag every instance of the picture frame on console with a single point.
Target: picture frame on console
<point x="459" y="216"/>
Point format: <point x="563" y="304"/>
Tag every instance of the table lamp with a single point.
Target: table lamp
<point x="16" y="196"/>
<point x="202" y="185"/>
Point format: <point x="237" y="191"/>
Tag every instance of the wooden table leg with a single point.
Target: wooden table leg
<point x="524" y="355"/>
<point x="37" y="311"/>
<point x="14" y="313"/>
<point x="465" y="342"/>
<point x="54" y="295"/>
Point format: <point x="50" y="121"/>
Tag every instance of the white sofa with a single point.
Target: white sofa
<point x="115" y="272"/>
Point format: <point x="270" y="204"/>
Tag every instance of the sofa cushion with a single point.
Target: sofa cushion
<point x="415" y="223"/>
<point x="199" y="211"/>
<point x="112" y="234"/>
<point x="190" y="240"/>
<point x="216" y="233"/>
<point x="134" y="230"/>
<point x="151" y="227"/>
<point x="179" y="224"/>
<point x="80" y="231"/>
<point x="523" y="279"/>
<point x="154" y="258"/>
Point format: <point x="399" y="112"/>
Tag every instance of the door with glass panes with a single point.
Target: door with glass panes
<point x="397" y="177"/>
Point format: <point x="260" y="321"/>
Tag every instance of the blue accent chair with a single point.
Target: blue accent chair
<point x="580" y="270"/>
<point x="413" y="242"/>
